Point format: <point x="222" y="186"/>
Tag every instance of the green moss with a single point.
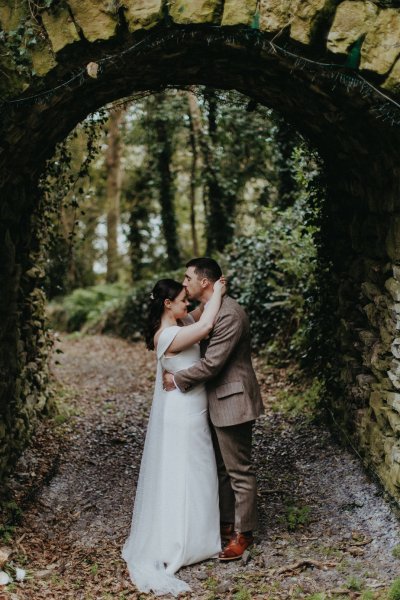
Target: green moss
<point x="394" y="592"/>
<point x="396" y="551"/>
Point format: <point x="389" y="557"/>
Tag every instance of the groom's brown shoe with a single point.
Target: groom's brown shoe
<point x="236" y="545"/>
<point x="227" y="531"/>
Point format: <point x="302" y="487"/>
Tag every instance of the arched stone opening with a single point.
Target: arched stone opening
<point x="360" y="226"/>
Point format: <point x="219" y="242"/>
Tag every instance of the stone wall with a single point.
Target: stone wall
<point x="369" y="28"/>
<point x="59" y="66"/>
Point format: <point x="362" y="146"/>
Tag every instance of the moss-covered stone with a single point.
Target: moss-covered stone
<point x="394" y="420"/>
<point x="393" y="400"/>
<point x="60" y="28"/>
<point x="275" y="15"/>
<point x="239" y="13"/>
<point x="43" y="59"/>
<point x="307" y="17"/>
<point x="381" y="45"/>
<point x="142" y="14"/>
<point x="379" y="407"/>
<point x="353" y="18"/>
<point x="12" y="13"/>
<point x="195" y="11"/>
<point x="376" y="443"/>
<point x="393" y="287"/>
<point x="97" y="20"/>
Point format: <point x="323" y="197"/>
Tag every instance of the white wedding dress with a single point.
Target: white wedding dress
<point x="176" y="514"/>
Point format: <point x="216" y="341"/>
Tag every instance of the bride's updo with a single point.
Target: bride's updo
<point x="164" y="289"/>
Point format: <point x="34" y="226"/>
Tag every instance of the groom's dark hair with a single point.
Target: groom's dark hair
<point x="205" y="267"/>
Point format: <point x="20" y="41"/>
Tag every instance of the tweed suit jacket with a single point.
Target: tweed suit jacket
<point x="226" y="369"/>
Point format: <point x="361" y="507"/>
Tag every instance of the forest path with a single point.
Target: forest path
<point x="324" y="526"/>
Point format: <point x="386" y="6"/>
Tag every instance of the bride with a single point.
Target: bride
<point x="176" y="514"/>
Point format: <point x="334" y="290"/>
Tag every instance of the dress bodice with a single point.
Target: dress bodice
<point x="181" y="360"/>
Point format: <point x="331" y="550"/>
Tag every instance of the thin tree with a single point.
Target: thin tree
<point x="113" y="192"/>
<point x="164" y="152"/>
<point x="195" y="134"/>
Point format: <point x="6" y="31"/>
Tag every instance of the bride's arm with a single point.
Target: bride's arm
<point x="197" y="312"/>
<point x="190" y="334"/>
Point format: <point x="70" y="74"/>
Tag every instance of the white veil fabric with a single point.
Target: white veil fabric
<point x="141" y="550"/>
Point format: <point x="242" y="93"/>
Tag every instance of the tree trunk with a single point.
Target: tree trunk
<point x="194" y="139"/>
<point x="164" y="159"/>
<point x="217" y="221"/>
<point x="114" y="176"/>
<point x="138" y="201"/>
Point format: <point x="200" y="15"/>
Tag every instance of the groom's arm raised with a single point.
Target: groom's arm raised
<point x="225" y="336"/>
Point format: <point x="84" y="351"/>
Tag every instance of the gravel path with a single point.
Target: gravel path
<point x="325" y="528"/>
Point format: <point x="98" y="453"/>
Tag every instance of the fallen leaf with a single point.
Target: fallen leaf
<point x="5" y="552"/>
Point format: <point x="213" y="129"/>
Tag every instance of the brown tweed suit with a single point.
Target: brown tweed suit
<point x="234" y="403"/>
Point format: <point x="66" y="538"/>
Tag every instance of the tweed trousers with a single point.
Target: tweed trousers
<point x="237" y="481"/>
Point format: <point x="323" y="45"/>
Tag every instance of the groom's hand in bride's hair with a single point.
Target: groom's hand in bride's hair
<point x="168" y="382"/>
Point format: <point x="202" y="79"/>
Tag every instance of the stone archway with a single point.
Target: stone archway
<point x="91" y="54"/>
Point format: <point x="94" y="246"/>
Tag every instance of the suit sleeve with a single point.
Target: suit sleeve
<point x="226" y="334"/>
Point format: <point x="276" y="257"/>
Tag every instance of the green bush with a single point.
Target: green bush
<point x="272" y="274"/>
<point x="106" y="308"/>
<point x="84" y="306"/>
<point x="128" y="318"/>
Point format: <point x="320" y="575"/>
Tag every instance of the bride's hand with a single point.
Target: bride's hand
<point x="220" y="284"/>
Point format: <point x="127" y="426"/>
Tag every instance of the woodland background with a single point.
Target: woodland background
<point x="138" y="189"/>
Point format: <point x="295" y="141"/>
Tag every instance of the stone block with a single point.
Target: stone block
<point x="394" y="420"/>
<point x="43" y="60"/>
<point x="381" y="45"/>
<point x="195" y="11"/>
<point x="239" y="13"/>
<point x="395" y="367"/>
<point x="11" y="13"/>
<point x="380" y="358"/>
<point x="370" y="290"/>
<point x="395" y="475"/>
<point x="376" y="443"/>
<point x="386" y="478"/>
<point x="95" y="19"/>
<point x="276" y="14"/>
<point x="393" y="287"/>
<point x="372" y="314"/>
<point x="142" y="14"/>
<point x="60" y="28"/>
<point x="395" y="347"/>
<point x="306" y="18"/>
<point x="367" y="337"/>
<point x="378" y="405"/>
<point x="393" y="239"/>
<point x="353" y="18"/>
<point x="393" y="400"/>
<point x="395" y="453"/>
<point x="394" y="379"/>
<point x="388" y="448"/>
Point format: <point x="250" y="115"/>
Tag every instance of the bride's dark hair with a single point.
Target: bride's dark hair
<point x="165" y="289"/>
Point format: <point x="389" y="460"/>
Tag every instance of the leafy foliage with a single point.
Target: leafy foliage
<point x="273" y="272"/>
<point x="83" y="306"/>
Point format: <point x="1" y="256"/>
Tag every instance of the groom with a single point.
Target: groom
<point x="234" y="403"/>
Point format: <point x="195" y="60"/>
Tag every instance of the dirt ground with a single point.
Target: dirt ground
<point x="326" y="530"/>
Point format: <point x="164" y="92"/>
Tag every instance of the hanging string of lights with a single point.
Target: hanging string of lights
<point x="382" y="105"/>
